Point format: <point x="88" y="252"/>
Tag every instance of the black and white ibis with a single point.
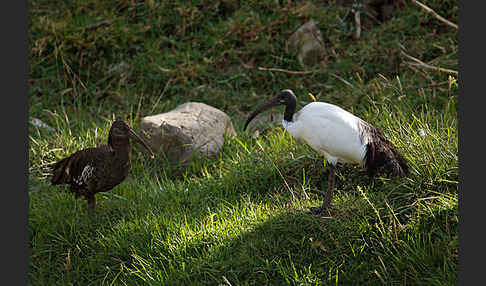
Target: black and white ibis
<point x="338" y="135"/>
<point x="98" y="169"/>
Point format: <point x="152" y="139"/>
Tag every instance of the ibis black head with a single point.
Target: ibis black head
<point x="285" y="97"/>
<point x="119" y="134"/>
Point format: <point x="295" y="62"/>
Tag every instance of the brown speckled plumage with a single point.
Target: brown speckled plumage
<point x="98" y="169"/>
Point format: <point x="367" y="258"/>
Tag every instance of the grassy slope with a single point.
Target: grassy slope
<point x="240" y="218"/>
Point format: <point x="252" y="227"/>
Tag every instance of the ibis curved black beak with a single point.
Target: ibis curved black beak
<point x="265" y="106"/>
<point x="142" y="142"/>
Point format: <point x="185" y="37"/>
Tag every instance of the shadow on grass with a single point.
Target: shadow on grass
<point x="241" y="226"/>
<point x="293" y="247"/>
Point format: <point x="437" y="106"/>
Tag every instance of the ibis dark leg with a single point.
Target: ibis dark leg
<point x="91" y="205"/>
<point x="329" y="191"/>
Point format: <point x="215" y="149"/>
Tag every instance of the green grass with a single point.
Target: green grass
<point x="241" y="217"/>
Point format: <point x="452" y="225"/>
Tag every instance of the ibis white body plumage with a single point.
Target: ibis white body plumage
<point x="339" y="136"/>
<point x="331" y="131"/>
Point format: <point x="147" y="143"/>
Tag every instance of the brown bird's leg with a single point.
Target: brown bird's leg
<point x="328" y="195"/>
<point x="91" y="204"/>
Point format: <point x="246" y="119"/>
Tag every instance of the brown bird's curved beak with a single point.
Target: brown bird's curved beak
<point x="142" y="142"/>
<point x="265" y="106"/>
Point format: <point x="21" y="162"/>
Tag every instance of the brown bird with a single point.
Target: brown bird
<point x="98" y="169"/>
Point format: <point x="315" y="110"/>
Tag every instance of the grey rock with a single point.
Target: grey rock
<point x="191" y="129"/>
<point x="307" y="40"/>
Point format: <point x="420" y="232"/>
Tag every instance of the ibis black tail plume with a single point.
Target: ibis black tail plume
<point x="381" y="156"/>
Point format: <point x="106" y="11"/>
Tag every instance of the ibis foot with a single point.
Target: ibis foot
<point x="321" y="209"/>
<point x="317" y="210"/>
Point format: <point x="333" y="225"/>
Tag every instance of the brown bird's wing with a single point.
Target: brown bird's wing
<point x="80" y="167"/>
